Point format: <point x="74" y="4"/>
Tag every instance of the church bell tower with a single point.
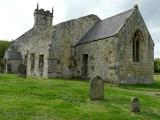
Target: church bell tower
<point x="42" y="17"/>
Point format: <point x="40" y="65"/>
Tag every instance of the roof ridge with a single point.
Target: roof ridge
<point x="107" y="27"/>
<point x="119" y="14"/>
<point x="74" y="19"/>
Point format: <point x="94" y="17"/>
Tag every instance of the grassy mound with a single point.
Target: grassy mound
<point x="58" y="99"/>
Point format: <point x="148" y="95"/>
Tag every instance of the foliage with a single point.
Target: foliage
<point x="157" y="65"/>
<point x="59" y="99"/>
<point x="3" y="47"/>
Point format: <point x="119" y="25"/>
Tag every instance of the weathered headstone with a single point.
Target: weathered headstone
<point x="96" y="88"/>
<point x="135" y="104"/>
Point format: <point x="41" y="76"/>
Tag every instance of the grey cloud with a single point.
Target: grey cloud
<point x="156" y="50"/>
<point x="150" y="11"/>
<point x="20" y="22"/>
<point x="77" y="8"/>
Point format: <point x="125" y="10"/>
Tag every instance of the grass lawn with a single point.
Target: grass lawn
<point x="58" y="99"/>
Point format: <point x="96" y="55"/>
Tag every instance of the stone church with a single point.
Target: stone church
<point x="119" y="49"/>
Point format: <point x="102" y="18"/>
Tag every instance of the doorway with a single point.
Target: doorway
<point x="84" y="74"/>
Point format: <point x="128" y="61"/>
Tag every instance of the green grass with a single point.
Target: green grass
<point x="58" y="99"/>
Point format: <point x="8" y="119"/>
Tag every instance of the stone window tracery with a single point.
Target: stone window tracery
<point x="137" y="46"/>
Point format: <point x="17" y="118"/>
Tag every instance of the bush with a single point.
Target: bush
<point x="3" y="47"/>
<point x="157" y="65"/>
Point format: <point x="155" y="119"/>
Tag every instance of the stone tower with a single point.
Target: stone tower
<point x="42" y="18"/>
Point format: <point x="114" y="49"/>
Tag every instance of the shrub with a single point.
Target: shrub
<point x="157" y="65"/>
<point x="3" y="47"/>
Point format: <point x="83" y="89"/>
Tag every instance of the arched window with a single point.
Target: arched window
<point x="137" y="46"/>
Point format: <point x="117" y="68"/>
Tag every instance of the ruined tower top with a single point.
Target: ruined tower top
<point x="136" y="6"/>
<point x="43" y="17"/>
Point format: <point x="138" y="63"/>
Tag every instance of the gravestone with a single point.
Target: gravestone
<point x="96" y="88"/>
<point x="22" y="70"/>
<point x="135" y="104"/>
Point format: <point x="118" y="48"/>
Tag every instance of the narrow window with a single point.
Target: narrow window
<point x="32" y="60"/>
<point x="137" y="50"/>
<point x="41" y="61"/>
<point x="25" y="59"/>
<point x="85" y="66"/>
<point x="134" y="55"/>
<point x="138" y="38"/>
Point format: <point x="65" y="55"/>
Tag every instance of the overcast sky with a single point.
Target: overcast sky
<point x="17" y="15"/>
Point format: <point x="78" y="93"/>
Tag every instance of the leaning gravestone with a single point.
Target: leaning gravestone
<point x="96" y="88"/>
<point x="135" y="104"/>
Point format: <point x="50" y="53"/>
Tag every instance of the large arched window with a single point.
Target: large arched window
<point x="137" y="46"/>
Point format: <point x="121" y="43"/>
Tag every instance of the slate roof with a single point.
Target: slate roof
<point x="14" y="55"/>
<point x="106" y="28"/>
<point x="24" y="37"/>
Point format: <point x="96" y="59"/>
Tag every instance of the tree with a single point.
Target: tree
<point x="157" y="65"/>
<point x="3" y="47"/>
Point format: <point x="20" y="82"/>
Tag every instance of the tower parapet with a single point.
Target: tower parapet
<point x="46" y="13"/>
<point x="43" y="17"/>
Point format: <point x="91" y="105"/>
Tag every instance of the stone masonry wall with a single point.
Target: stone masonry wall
<point x="22" y="42"/>
<point x="130" y="71"/>
<point x="14" y="65"/>
<point x="39" y="45"/>
<point x="35" y="41"/>
<point x="64" y="38"/>
<point x="101" y="58"/>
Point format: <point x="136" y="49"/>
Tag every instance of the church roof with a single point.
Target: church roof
<point x="11" y="55"/>
<point x="22" y="38"/>
<point x="106" y="28"/>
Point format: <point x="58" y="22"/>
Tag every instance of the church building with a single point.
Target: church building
<point x="119" y="49"/>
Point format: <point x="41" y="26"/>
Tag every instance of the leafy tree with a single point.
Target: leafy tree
<point x="157" y="65"/>
<point x="3" y="47"/>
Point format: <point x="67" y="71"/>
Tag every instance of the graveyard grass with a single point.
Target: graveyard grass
<point x="60" y="99"/>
